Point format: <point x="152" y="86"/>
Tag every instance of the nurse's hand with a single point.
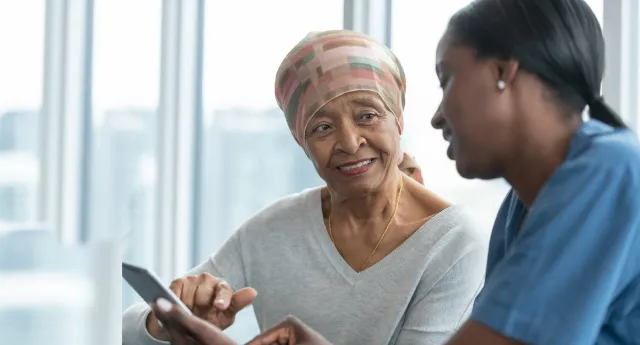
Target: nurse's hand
<point x="187" y="329"/>
<point x="291" y="331"/>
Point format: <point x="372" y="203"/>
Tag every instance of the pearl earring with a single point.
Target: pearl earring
<point x="501" y="85"/>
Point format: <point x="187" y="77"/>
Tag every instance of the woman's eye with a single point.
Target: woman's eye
<point x="368" y="117"/>
<point x="322" y="128"/>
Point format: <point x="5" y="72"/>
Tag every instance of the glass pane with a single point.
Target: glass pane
<point x="46" y="290"/>
<point x="250" y="158"/>
<point x="126" y="76"/>
<point x="423" y="97"/>
<point x="21" y="83"/>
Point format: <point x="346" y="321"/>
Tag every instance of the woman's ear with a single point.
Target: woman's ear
<point x="505" y="71"/>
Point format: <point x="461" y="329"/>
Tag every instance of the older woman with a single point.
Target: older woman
<point x="371" y="258"/>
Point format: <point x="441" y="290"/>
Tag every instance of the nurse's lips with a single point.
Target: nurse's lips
<point x="446" y="134"/>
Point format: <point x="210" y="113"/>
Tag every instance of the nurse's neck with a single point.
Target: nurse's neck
<point x="545" y="146"/>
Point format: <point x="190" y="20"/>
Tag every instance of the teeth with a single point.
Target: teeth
<point x="355" y="166"/>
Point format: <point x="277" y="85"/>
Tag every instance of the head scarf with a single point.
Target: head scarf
<point x="328" y="64"/>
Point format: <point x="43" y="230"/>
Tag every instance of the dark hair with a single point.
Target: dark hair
<point x="559" y="41"/>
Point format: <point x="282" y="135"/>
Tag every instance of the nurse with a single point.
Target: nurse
<point x="564" y="257"/>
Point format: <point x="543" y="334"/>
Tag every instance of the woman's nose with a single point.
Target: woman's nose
<point x="350" y="140"/>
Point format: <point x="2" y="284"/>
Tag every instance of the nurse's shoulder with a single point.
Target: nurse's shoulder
<point x="604" y="148"/>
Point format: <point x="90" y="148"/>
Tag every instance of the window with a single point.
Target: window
<point x="250" y="158"/>
<point x="20" y="101"/>
<point x="126" y="77"/>
<point x="427" y="22"/>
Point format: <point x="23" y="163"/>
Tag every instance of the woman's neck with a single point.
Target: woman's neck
<point x="533" y="166"/>
<point x="374" y="206"/>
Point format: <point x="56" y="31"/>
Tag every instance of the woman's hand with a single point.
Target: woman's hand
<point x="291" y="331"/>
<point x="185" y="329"/>
<point x="209" y="298"/>
<point x="410" y="167"/>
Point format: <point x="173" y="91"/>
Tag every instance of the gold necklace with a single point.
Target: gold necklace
<point x="393" y="216"/>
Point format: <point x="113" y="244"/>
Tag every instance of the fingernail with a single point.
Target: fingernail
<point x="220" y="302"/>
<point x="164" y="305"/>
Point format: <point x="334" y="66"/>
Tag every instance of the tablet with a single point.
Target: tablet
<point x="148" y="286"/>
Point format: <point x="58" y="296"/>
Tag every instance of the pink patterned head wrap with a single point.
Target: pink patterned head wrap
<point x="328" y="64"/>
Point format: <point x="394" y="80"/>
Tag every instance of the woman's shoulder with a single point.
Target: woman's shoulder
<point x="453" y="245"/>
<point x="449" y="236"/>
<point x="288" y="210"/>
<point x="599" y="145"/>
<point x="449" y="224"/>
<point x="456" y="226"/>
<point x="600" y="159"/>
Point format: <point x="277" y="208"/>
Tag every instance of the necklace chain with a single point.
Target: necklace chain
<point x="393" y="216"/>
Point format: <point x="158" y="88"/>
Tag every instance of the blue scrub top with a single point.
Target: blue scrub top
<point x="567" y="270"/>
